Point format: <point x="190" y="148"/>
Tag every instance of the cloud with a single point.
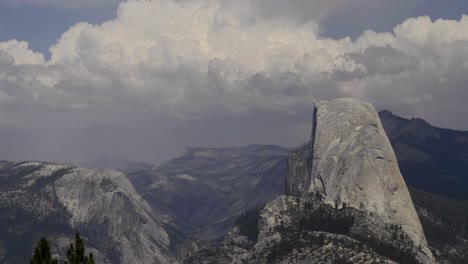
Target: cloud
<point x="59" y="3"/>
<point x="20" y="52"/>
<point x="202" y="66"/>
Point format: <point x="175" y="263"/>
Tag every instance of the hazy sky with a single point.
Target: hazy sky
<point x="80" y="80"/>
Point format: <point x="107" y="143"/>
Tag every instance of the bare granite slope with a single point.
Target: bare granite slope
<point x="107" y="207"/>
<point x="58" y="200"/>
<point x="350" y="162"/>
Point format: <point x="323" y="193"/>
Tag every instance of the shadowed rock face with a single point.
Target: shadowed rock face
<point x="350" y="161"/>
<point x="431" y="159"/>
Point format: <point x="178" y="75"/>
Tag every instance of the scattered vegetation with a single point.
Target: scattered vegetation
<point x="248" y="223"/>
<point x="452" y="213"/>
<point x="107" y="185"/>
<point x="75" y="253"/>
<point x="327" y="219"/>
<point x="445" y="223"/>
<point x="392" y="242"/>
<point x="44" y="181"/>
<point x="403" y="255"/>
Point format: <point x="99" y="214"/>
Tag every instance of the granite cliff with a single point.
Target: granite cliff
<point x="344" y="192"/>
<point x="40" y="198"/>
<point x="345" y="199"/>
<point x="350" y="161"/>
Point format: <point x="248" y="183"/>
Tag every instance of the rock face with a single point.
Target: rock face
<point x="304" y="230"/>
<point x="58" y="200"/>
<point x="345" y="201"/>
<point x="109" y="211"/>
<point x="349" y="161"/>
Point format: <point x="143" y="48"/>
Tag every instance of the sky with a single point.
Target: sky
<point x="83" y="80"/>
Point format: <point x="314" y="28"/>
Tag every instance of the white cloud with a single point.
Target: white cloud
<point x="200" y="60"/>
<point x="20" y="52"/>
<point x="60" y="3"/>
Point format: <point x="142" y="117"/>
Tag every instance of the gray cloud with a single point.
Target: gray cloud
<point x="146" y="84"/>
<point x="301" y="10"/>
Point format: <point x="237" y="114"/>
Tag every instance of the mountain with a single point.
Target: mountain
<point x="349" y="161"/>
<point x="445" y="223"/>
<point x="39" y="198"/>
<point x="235" y="198"/>
<point x="345" y="201"/>
<point x="431" y="159"/>
<point x="205" y="190"/>
<point x="123" y="165"/>
<point x="200" y="193"/>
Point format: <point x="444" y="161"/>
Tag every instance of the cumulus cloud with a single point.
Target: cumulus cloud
<point x="20" y="52"/>
<point x="59" y="3"/>
<point x="201" y="67"/>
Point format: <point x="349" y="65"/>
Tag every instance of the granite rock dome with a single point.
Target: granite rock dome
<point x="349" y="161"/>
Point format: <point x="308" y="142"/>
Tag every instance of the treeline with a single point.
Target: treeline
<point x="248" y="223"/>
<point x="340" y="221"/>
<point x="453" y="214"/>
<point x="390" y="251"/>
<point x="318" y="217"/>
<point x="294" y="241"/>
<point x="75" y="253"/>
<point x="446" y="225"/>
<point x="326" y="219"/>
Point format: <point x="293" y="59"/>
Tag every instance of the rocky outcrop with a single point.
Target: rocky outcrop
<point x="286" y="234"/>
<point x="345" y="201"/>
<point x="58" y="200"/>
<point x="109" y="211"/>
<point x="350" y="162"/>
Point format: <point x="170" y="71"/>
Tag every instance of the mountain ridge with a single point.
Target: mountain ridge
<point x="214" y="187"/>
<point x="344" y="192"/>
<point x="58" y="200"/>
<point x="430" y="158"/>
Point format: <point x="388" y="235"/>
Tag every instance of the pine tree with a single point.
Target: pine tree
<point x="42" y="253"/>
<point x="76" y="253"/>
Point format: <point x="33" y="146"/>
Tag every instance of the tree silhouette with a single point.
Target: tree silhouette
<point x="76" y="253"/>
<point x="42" y="253"/>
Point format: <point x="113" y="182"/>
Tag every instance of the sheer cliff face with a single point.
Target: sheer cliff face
<point x="350" y="161"/>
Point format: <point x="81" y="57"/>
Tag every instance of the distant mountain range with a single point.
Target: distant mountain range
<point x="116" y="164"/>
<point x="149" y="211"/>
<point x="205" y="190"/>
<point x="348" y="165"/>
<point x="431" y="159"/>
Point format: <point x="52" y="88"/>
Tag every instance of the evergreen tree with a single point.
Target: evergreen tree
<point x="42" y="253"/>
<point x="76" y="253"/>
<point x="248" y="223"/>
